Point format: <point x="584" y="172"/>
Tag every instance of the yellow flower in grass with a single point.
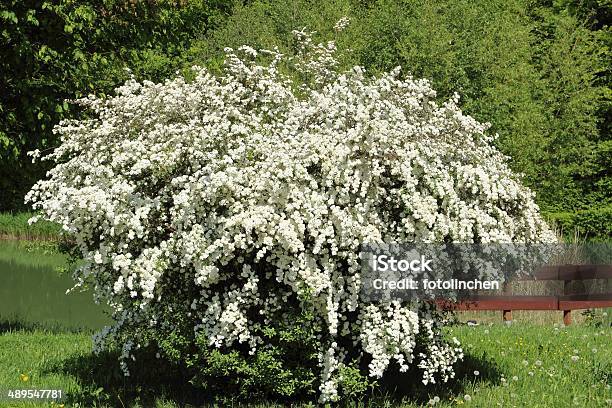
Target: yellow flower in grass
<point x="24" y="377"/>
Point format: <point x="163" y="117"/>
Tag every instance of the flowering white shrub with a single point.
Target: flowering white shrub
<point x="235" y="196"/>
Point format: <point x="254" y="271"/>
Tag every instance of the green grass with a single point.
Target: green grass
<point x="32" y="354"/>
<point x="518" y="366"/>
<point x="15" y="226"/>
<point x="537" y="366"/>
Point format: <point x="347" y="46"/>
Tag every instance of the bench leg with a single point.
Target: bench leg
<point x="507" y="315"/>
<point x="567" y="317"/>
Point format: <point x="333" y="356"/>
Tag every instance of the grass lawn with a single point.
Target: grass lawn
<point x="15" y="226"/>
<point x="538" y="366"/>
<point x="517" y="366"/>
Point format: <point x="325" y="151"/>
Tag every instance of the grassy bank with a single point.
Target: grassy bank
<point x="15" y="226"/>
<point x="521" y="365"/>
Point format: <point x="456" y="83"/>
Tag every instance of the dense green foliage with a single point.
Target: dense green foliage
<point x="285" y="367"/>
<point x="56" y="50"/>
<point x="594" y="224"/>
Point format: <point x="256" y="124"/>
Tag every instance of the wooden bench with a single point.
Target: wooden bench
<point x="566" y="302"/>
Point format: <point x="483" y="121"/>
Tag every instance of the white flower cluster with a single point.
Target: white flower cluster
<point x="388" y="331"/>
<point x="342" y="24"/>
<point x="235" y="194"/>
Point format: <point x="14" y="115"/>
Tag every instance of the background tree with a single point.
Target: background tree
<point x="56" y="50"/>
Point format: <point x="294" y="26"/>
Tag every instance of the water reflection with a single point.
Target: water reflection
<point x="33" y="290"/>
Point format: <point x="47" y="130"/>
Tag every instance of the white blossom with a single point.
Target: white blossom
<point x="235" y="184"/>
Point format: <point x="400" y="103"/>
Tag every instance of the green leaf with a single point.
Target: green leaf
<point x="31" y="18"/>
<point x="9" y="16"/>
<point x="42" y="51"/>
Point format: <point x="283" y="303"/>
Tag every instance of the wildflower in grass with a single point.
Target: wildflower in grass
<point x="503" y="380"/>
<point x="515" y="378"/>
<point x="433" y="401"/>
<point x="530" y="373"/>
<point x="342" y="24"/>
<point x="24" y="377"/>
<point x="575" y="358"/>
<point x="538" y="363"/>
<point x="575" y="351"/>
<point x="486" y="331"/>
<point x="476" y="373"/>
<point x="467" y="397"/>
<point x="594" y="350"/>
<point x="525" y="363"/>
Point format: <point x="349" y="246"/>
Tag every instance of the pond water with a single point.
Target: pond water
<point x="33" y="290"/>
